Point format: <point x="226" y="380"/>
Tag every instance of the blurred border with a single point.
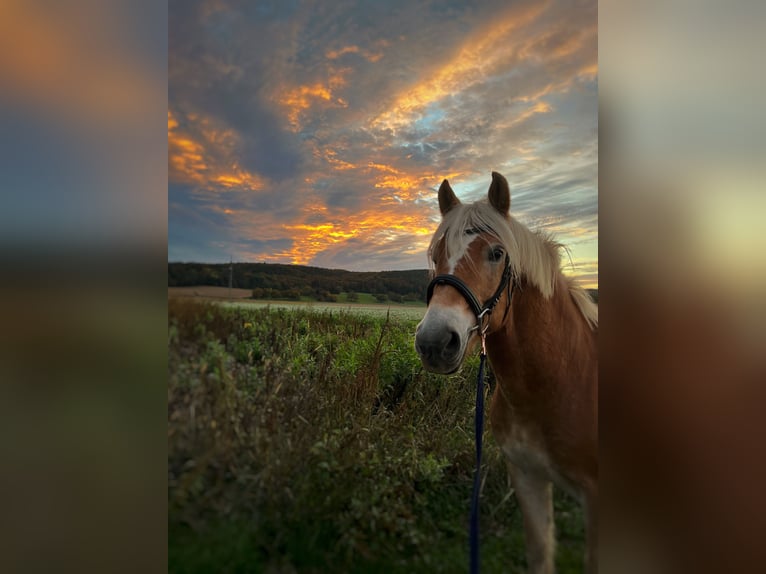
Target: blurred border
<point x="83" y="297"/>
<point x="683" y="278"/>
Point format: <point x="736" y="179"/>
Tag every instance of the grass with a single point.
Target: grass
<point x="366" y="298"/>
<point x="305" y="439"/>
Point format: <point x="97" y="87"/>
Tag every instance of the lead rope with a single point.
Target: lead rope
<point x="479" y="431"/>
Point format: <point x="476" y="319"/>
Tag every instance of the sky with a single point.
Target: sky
<point x="318" y="133"/>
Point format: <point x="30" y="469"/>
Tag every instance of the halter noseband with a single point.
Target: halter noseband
<point x="480" y="311"/>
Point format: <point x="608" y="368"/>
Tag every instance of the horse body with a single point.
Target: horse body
<point x="541" y="343"/>
<point x="544" y="413"/>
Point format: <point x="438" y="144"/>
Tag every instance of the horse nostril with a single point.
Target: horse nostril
<point x="425" y="348"/>
<point x="454" y="342"/>
<point x="438" y="345"/>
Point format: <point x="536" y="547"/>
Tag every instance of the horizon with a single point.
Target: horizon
<point x="292" y="264"/>
<point x="426" y="269"/>
<point x="318" y="135"/>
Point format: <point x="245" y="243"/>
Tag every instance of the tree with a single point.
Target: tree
<point x="293" y="294"/>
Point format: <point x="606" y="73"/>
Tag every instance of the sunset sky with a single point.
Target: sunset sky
<point x="317" y="133"/>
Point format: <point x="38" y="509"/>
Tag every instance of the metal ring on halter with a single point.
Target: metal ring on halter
<point x="481" y="325"/>
<point x="482" y="329"/>
<point x="480" y="318"/>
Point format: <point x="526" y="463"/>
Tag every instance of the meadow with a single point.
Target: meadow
<point x="309" y="439"/>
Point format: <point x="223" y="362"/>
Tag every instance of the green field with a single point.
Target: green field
<point x="393" y="310"/>
<point x="308" y="439"/>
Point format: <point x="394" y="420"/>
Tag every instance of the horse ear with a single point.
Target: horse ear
<point x="499" y="193"/>
<point x="447" y="198"/>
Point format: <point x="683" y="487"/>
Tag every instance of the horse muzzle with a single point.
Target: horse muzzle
<point x="441" y="350"/>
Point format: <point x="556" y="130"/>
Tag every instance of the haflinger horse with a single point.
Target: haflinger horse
<point x="541" y="345"/>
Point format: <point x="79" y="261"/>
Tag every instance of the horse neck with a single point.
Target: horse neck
<point x="539" y="335"/>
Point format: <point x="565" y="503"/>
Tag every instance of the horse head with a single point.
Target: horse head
<point x="471" y="257"/>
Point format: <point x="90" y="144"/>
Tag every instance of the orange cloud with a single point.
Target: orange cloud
<point x="311" y="239"/>
<point x="372" y="227"/>
<point x="369" y="56"/>
<point x="297" y="100"/>
<point x="197" y="161"/>
<point x="538" y="107"/>
<point x="408" y="186"/>
<point x="331" y="157"/>
<point x="483" y="53"/>
<point x="469" y="65"/>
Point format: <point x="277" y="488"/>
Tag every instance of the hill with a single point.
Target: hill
<point x="278" y="281"/>
<point x="296" y="282"/>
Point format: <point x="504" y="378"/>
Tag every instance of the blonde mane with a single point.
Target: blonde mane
<point x="534" y="255"/>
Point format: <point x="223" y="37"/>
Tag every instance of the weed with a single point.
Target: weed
<point x="312" y="441"/>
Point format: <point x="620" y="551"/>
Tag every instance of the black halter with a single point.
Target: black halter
<point x="480" y="311"/>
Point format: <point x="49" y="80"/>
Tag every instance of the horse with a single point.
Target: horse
<point x="541" y="341"/>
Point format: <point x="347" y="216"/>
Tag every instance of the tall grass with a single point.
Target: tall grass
<point x="310" y="441"/>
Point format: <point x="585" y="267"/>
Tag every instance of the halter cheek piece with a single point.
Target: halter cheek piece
<point x="480" y="311"/>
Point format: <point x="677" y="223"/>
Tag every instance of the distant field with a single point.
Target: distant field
<point x="241" y="298"/>
<point x="374" y="309"/>
<point x="207" y="292"/>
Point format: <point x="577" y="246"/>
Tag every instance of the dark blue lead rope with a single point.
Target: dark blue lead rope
<point x="479" y="430"/>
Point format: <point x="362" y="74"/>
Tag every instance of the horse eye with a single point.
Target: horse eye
<point x="496" y="254"/>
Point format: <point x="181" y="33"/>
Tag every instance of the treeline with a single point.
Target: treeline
<point x="277" y="281"/>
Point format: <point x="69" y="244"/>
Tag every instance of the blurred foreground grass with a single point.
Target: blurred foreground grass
<point x="311" y="441"/>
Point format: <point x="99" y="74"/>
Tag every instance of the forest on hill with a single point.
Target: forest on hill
<point x="278" y="281"/>
<point x="297" y="282"/>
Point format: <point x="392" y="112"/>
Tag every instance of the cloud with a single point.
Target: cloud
<point x="467" y="67"/>
<point x="341" y="120"/>
<point x="207" y="156"/>
<point x="370" y="56"/>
